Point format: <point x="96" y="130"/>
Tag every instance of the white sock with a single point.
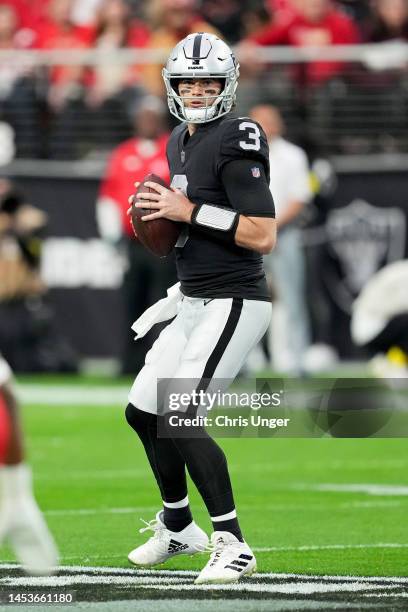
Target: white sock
<point x="15" y="481"/>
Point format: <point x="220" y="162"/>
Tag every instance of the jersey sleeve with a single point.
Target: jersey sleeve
<point x="247" y="189"/>
<point x="243" y="138"/>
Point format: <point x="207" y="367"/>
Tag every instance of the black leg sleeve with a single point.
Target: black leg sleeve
<point x="164" y="457"/>
<point x="207" y="466"/>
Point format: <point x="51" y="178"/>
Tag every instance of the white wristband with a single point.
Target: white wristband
<point x="215" y="217"/>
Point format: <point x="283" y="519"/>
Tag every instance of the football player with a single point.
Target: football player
<point x="219" y="166"/>
<point x="379" y="320"/>
<point x="21" y="522"/>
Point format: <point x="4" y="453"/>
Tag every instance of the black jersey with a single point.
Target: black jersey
<point x="208" y="267"/>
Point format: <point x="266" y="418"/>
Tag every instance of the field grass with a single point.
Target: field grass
<point x="93" y="482"/>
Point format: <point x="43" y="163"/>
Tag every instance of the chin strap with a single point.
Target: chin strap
<point x="199" y="114"/>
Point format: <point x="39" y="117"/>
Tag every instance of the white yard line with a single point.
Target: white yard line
<point x="290" y="588"/>
<point x="284" y="549"/>
<point x="95" y="511"/>
<point x="185" y="574"/>
<point x="368" y="488"/>
<point x="329" y="547"/>
<point x="257" y="549"/>
<point x="274" y="468"/>
<point x="337" y="464"/>
<point x="70" y="395"/>
<point x="372" y="504"/>
<point x="90" y="475"/>
<point x="157" y="580"/>
<point x="81" y="569"/>
<point x="242" y="508"/>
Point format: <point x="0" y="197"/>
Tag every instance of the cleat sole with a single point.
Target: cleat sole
<point x="177" y="554"/>
<point x="231" y="580"/>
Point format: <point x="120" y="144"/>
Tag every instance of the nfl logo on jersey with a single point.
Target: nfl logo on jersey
<point x="256" y="173"/>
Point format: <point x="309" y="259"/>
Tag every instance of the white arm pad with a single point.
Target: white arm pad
<point x="215" y="217"/>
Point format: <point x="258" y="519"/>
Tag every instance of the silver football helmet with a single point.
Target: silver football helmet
<point x="201" y="55"/>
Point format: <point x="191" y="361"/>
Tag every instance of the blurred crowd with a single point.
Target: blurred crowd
<point x="117" y="111"/>
<point x="47" y="106"/>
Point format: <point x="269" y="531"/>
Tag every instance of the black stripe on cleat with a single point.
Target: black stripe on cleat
<point x="237" y="569"/>
<point x="240" y="563"/>
<point x="175" y="546"/>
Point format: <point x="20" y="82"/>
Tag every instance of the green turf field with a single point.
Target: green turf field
<point x="325" y="517"/>
<point x="94" y="484"/>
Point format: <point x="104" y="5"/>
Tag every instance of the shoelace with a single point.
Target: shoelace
<point x="217" y="549"/>
<point x="219" y="545"/>
<point x="158" y="531"/>
<point x="153" y="525"/>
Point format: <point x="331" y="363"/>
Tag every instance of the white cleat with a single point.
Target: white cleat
<point x="23" y="527"/>
<point x="165" y="544"/>
<point x="230" y="560"/>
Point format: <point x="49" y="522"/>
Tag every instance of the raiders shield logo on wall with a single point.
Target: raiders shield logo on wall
<point x="362" y="238"/>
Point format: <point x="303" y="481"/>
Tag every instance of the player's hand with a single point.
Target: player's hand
<point x="169" y="203"/>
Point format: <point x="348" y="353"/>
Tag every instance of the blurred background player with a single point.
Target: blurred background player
<point x="30" y="339"/>
<point x="289" y="185"/>
<point x="380" y="320"/>
<point x="22" y="525"/>
<point x="147" y="277"/>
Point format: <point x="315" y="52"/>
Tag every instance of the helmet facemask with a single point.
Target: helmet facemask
<point x="215" y="105"/>
<point x="217" y="54"/>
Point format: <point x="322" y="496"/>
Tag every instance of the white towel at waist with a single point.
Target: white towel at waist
<point x="163" y="310"/>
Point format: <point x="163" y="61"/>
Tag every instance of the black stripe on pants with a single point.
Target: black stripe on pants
<point x="205" y="460"/>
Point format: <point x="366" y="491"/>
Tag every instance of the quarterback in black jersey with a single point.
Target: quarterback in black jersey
<point x="219" y="165"/>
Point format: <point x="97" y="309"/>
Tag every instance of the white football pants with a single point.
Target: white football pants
<point x="207" y="339"/>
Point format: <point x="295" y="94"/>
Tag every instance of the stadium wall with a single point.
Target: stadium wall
<point x="353" y="228"/>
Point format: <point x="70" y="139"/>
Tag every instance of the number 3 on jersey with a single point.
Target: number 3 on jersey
<point x="179" y="181"/>
<point x="253" y="141"/>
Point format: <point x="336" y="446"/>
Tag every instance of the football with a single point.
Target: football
<point x="159" y="236"/>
